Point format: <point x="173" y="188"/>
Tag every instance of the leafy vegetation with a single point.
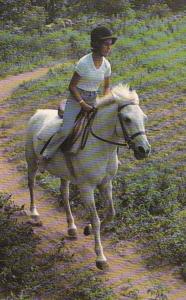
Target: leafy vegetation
<point x="25" y="272"/>
<point x="151" y="208"/>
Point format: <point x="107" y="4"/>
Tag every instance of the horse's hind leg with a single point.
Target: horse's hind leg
<point x="32" y="167"/>
<point x="64" y="189"/>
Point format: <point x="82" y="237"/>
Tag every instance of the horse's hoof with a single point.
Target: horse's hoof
<point x="72" y="232"/>
<point x="35" y="217"/>
<point x="87" y="230"/>
<point x="102" y="265"/>
<point x="23" y="212"/>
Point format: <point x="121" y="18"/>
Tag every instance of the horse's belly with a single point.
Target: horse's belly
<point x="95" y="171"/>
<point x="59" y="167"/>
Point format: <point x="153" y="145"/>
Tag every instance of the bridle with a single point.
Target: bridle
<point x="128" y="138"/>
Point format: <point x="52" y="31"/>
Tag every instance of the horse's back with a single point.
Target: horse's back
<point x="41" y="126"/>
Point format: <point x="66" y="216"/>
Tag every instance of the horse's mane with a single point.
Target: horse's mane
<point x="120" y="94"/>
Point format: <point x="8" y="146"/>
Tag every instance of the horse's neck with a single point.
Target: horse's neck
<point x="105" y="121"/>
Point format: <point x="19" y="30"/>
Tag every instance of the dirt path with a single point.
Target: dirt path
<point x="124" y="260"/>
<point x="10" y="83"/>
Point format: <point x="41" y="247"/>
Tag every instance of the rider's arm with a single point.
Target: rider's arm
<point x="74" y="91"/>
<point x="106" y="88"/>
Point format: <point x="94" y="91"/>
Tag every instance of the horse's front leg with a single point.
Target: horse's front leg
<point x="64" y="189"/>
<point x="87" y="196"/>
<point x="106" y="192"/>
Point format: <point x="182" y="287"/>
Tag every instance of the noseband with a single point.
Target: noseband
<point x="128" y="139"/>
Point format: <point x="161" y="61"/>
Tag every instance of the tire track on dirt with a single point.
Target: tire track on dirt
<point x="125" y="261"/>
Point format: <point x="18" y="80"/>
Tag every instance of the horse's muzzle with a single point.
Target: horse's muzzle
<point x="140" y="152"/>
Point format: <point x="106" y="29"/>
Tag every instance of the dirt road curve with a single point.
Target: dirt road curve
<point x="124" y="260"/>
<point x="8" y="84"/>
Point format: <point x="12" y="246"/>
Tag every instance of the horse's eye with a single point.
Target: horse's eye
<point x="127" y="120"/>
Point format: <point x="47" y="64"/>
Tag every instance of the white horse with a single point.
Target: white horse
<point x="118" y="117"/>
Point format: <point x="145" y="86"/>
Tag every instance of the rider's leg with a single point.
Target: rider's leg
<point x="72" y="108"/>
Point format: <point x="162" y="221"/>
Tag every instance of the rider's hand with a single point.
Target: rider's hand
<point x="85" y="106"/>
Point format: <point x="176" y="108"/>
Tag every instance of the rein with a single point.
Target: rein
<point x="88" y="129"/>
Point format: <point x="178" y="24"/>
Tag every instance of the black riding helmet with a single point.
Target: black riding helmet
<point x="99" y="34"/>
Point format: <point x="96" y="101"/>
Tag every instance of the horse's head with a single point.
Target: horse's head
<point x="131" y="119"/>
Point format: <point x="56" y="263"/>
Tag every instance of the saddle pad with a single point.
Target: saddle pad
<point x="50" y="125"/>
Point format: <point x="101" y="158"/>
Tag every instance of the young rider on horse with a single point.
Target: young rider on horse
<point x="90" y="71"/>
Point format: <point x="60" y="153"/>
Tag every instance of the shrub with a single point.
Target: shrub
<point x="176" y="5"/>
<point x="108" y="7"/>
<point x="17" y="247"/>
<point x="25" y="273"/>
<point x="33" y="20"/>
<point x="152" y="209"/>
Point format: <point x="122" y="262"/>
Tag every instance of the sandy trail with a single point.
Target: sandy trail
<point x="10" y="83"/>
<point x="124" y="260"/>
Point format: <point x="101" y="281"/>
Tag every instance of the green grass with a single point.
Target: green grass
<point x="21" y="53"/>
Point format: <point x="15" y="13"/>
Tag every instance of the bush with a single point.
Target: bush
<point x="25" y="273"/>
<point x="167" y="241"/>
<point x="176" y="5"/>
<point x="17" y="247"/>
<point x="13" y="10"/>
<point x="153" y="210"/>
<point x="109" y="8"/>
<point x="34" y="20"/>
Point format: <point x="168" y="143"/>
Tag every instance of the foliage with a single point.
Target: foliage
<point x="19" y="52"/>
<point x="25" y="273"/>
<point x="176" y="5"/>
<point x="33" y="20"/>
<point x="17" y="247"/>
<point x="129" y="291"/>
<point x="110" y="8"/>
<point x="150" y="209"/>
<point x="168" y="242"/>
<point x="158" y="292"/>
<point x="88" y="287"/>
<point x="13" y="10"/>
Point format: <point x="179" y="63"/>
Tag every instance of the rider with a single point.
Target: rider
<point x="90" y="71"/>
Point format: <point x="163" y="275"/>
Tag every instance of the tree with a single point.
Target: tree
<point x="53" y="8"/>
<point x="34" y="20"/>
<point x="13" y="10"/>
<point x="176" y="5"/>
